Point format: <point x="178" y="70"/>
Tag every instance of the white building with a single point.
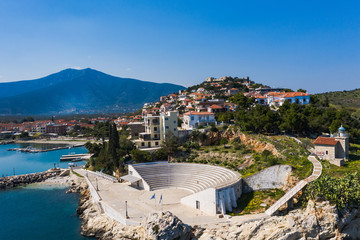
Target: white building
<point x="278" y="98"/>
<point x="192" y="120"/>
<point x="156" y="128"/>
<point x="212" y="189"/>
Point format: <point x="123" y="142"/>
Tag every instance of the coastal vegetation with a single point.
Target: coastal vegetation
<point x="115" y="149"/>
<point x="301" y="120"/>
<point x="344" y="191"/>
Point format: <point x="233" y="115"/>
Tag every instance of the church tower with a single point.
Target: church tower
<point x="343" y="138"/>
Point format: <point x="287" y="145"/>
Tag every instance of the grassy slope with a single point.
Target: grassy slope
<point x="347" y="99"/>
<point x="248" y="161"/>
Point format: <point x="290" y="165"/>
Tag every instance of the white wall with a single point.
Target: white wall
<point x="207" y="199"/>
<point x="142" y="184"/>
<point x="269" y="178"/>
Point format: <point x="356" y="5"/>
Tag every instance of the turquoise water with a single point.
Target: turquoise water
<point x="39" y="212"/>
<point x="32" y="162"/>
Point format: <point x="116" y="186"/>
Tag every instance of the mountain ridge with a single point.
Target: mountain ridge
<point x="81" y="91"/>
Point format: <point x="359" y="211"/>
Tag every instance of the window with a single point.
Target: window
<point x="167" y="127"/>
<point x="192" y="118"/>
<point x="174" y="129"/>
<point x="155" y="128"/>
<point x="327" y="152"/>
<point x="174" y="121"/>
<point x="156" y="143"/>
<point x="166" y="119"/>
<point x="155" y="136"/>
<point x="142" y="144"/>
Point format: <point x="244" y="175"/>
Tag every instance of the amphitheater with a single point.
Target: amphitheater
<point x="212" y="189"/>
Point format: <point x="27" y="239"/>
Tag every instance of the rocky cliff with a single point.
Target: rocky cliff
<point x="158" y="226"/>
<point x="319" y="220"/>
<point x="248" y="140"/>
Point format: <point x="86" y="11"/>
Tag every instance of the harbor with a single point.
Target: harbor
<point x="38" y="150"/>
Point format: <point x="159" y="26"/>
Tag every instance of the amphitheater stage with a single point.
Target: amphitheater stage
<point x="139" y="204"/>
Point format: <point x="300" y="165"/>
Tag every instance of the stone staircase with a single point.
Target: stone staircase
<point x="317" y="169"/>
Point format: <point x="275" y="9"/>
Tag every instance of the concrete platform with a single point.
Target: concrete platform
<point x="140" y="205"/>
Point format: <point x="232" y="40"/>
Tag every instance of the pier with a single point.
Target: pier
<point x="74" y="157"/>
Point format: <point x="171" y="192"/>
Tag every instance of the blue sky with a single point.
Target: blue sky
<point x="314" y="45"/>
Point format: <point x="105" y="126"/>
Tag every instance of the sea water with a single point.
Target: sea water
<point x="37" y="211"/>
<point x="22" y="162"/>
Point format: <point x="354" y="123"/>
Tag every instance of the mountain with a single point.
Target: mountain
<point x="79" y="91"/>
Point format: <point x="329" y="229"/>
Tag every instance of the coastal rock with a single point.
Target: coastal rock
<point x="17" y="180"/>
<point x="319" y="220"/>
<point x="315" y="222"/>
<point x="155" y="226"/>
<point x="166" y="225"/>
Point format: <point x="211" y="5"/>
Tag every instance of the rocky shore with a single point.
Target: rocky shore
<point x="18" y="180"/>
<point x="96" y="224"/>
<point x="319" y="220"/>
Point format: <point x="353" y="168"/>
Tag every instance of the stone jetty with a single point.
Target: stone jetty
<point x="17" y="180"/>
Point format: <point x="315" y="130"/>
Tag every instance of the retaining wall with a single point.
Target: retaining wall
<point x="269" y="178"/>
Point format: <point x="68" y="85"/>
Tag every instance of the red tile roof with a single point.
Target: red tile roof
<point x="215" y="107"/>
<point x="198" y="113"/>
<point x="325" y="141"/>
<point x="295" y="94"/>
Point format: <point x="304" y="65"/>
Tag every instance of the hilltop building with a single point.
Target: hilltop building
<point x="192" y="119"/>
<point x="277" y="99"/>
<point x="335" y="149"/>
<point x="156" y="129"/>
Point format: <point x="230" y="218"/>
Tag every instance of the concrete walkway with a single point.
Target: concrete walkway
<point x="139" y="204"/>
<point x="317" y="169"/>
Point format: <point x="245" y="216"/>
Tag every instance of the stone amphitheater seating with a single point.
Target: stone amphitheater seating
<point x="192" y="177"/>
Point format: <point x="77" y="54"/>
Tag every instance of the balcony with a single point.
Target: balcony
<point x="145" y="136"/>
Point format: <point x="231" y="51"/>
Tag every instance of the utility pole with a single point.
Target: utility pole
<point x="126" y="210"/>
<point x="97" y="186"/>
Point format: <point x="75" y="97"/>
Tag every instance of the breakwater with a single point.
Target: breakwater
<point x="36" y="150"/>
<point x="18" y="180"/>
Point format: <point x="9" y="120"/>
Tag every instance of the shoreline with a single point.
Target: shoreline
<point x="165" y="225"/>
<point x="43" y="141"/>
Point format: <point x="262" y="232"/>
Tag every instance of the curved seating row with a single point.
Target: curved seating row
<point x="189" y="176"/>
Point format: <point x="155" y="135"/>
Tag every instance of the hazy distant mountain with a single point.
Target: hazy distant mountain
<point x="79" y="91"/>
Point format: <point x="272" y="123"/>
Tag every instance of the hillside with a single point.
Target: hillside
<point x="79" y="91"/>
<point x="348" y="99"/>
